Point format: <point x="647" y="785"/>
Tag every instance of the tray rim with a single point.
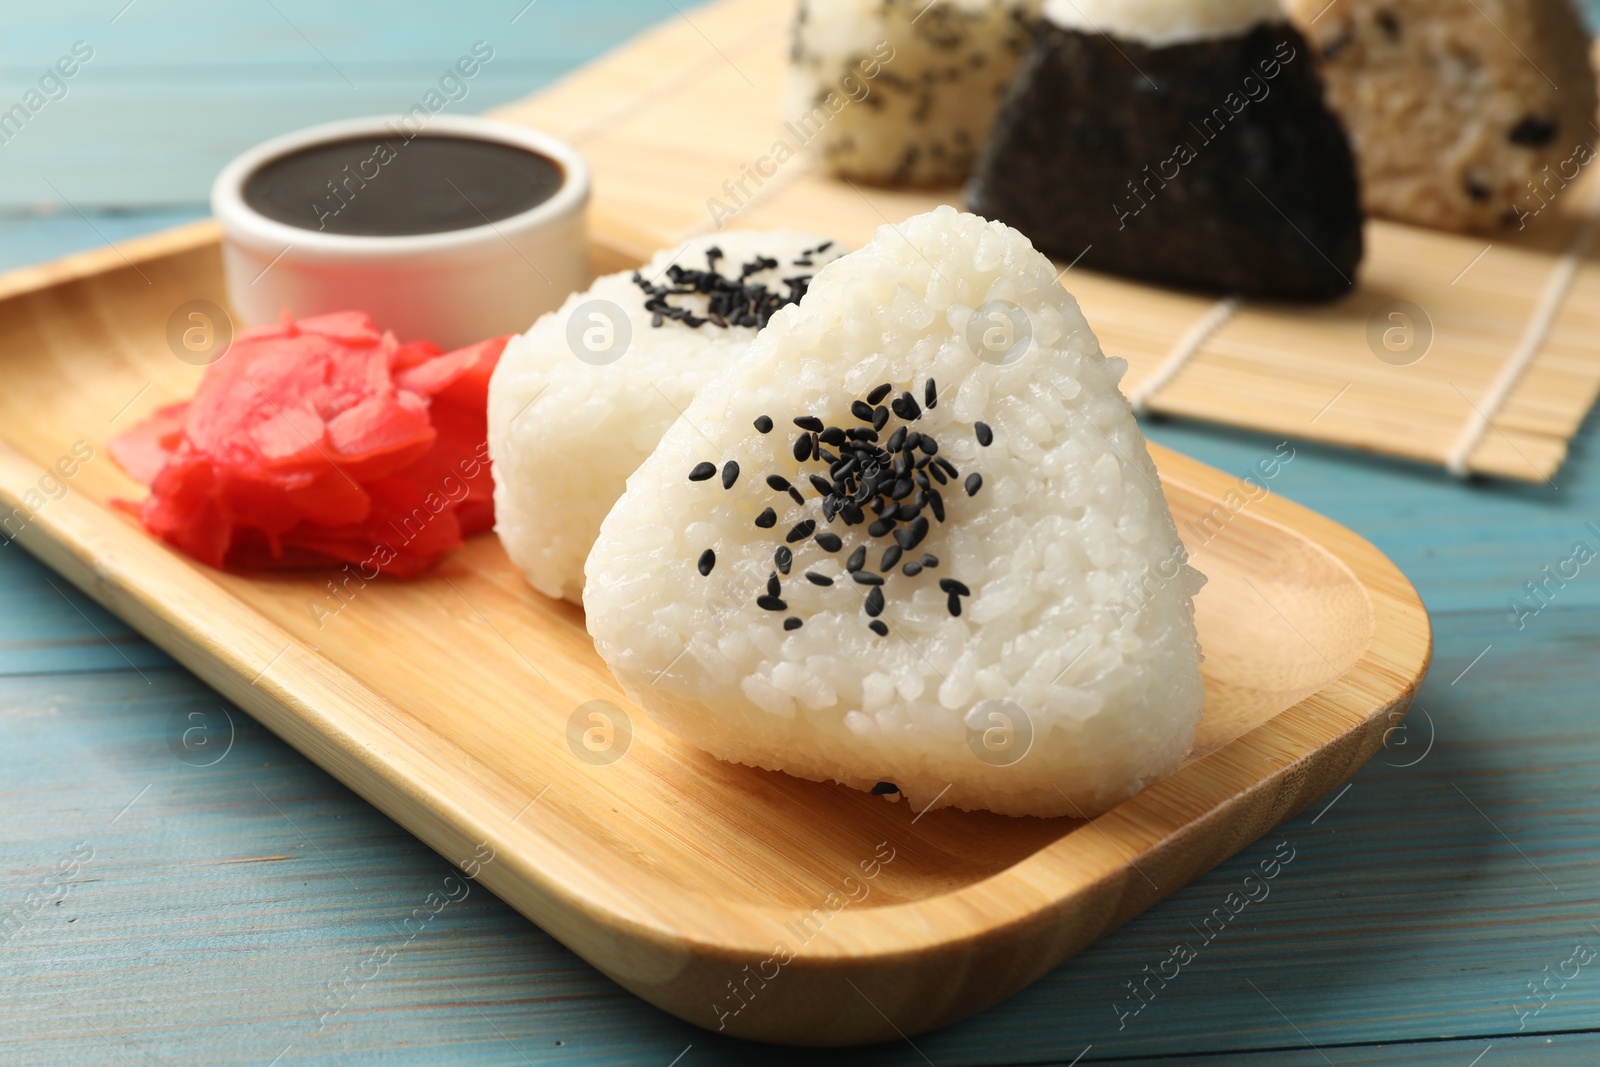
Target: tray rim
<point x="240" y="652"/>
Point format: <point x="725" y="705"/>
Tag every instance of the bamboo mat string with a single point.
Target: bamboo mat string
<point x="1533" y="336"/>
<point x="1190" y="343"/>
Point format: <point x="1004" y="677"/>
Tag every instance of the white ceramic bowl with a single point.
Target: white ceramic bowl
<point x="452" y="288"/>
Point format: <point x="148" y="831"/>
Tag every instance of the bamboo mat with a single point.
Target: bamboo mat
<point x="1513" y="365"/>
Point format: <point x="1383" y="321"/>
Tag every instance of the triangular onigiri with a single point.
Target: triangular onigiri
<point x="944" y="563"/>
<point x="581" y="398"/>
<point x="1181" y="143"/>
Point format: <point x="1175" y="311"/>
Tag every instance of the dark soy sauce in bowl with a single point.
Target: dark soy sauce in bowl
<point x="391" y="186"/>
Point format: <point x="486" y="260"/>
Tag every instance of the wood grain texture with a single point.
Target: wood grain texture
<point x="62" y="630"/>
<point x="1315" y="645"/>
<point x="1403" y="916"/>
<point x="169" y="932"/>
<point x="643" y="116"/>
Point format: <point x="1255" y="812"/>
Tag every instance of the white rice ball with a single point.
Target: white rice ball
<point x="578" y="401"/>
<point x="1069" y="680"/>
<point x="902" y="91"/>
<point x="1162" y="23"/>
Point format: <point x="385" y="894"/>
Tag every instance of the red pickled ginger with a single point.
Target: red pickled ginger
<point x="318" y="442"/>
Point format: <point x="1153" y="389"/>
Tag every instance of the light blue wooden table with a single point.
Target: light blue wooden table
<point x="1443" y="909"/>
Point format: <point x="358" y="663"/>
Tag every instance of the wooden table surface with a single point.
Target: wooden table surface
<point x="1443" y="908"/>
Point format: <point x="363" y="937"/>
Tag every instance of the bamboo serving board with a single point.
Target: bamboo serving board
<point x="1510" y="373"/>
<point x="740" y="900"/>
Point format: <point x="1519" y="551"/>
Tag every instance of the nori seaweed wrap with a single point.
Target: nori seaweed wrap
<point x="1210" y="163"/>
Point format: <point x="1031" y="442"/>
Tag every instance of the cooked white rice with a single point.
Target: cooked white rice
<point x="578" y="402"/>
<point x="902" y="91"/>
<point x="1080" y="613"/>
<point x="1159" y="23"/>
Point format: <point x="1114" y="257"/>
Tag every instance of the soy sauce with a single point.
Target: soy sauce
<point x="389" y="186"/>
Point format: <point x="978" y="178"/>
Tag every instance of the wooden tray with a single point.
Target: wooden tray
<point x="695" y="103"/>
<point x="446" y="702"/>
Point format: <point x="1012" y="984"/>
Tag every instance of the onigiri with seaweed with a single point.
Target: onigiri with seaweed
<point x="1184" y="142"/>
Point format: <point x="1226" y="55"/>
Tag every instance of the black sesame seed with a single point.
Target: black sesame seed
<point x="985" y="435"/>
<point x="1532" y="131"/>
<point x="948" y="467"/>
<point x="938" y="473"/>
<point x="774" y="587"/>
<point x="851" y="514"/>
<point x="783" y="557"/>
<point x="954" y="604"/>
<point x="911" y="569"/>
<point x="767" y="519"/>
<point x="974" y="483"/>
<point x="771" y="603"/>
<point x="936" y="503"/>
<point x="930" y="395"/>
<point x="829" y="542"/>
<point x="877" y="627"/>
<point x="802" y="530"/>
<point x="911" y="536"/>
<point x="802" y="447"/>
<point x="821" y="485"/>
<point x="702" y="471"/>
<point x="796" y="496"/>
<point x="874" y="603"/>
<point x="857" y="560"/>
<point x="866" y="578"/>
<point x="876" y="396"/>
<point x="883" y="526"/>
<point x="792" y="623"/>
<point x="950" y="585"/>
<point x="929" y="559"/>
<point x="730" y="474"/>
<point x="818" y="579"/>
<point x="861" y="410"/>
<point x="809" y="422"/>
<point x="778" y="482"/>
<point x="833" y="436"/>
<point x="708" y="559"/>
<point x="891" y="556"/>
<point x="764" y="424"/>
<point x="897" y="439"/>
<point x="929" y="445"/>
<point x="880" y="418"/>
<point x="905" y="406"/>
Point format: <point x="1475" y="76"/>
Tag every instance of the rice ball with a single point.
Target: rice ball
<point x="946" y="567"/>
